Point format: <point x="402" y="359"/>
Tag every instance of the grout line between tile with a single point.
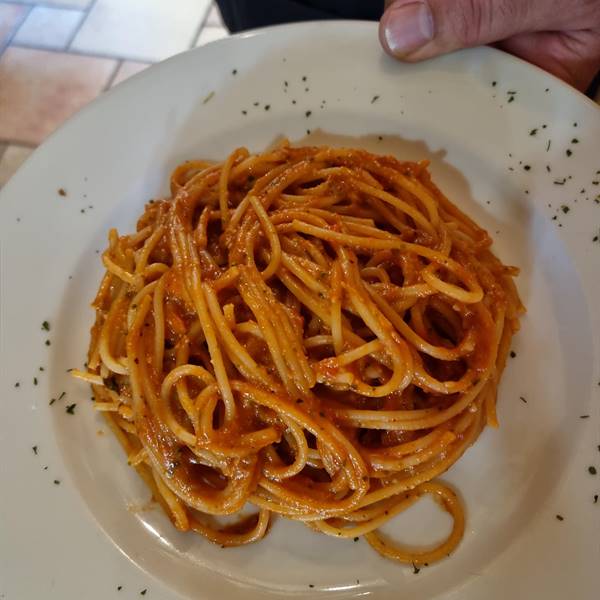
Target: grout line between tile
<point x="46" y="5"/>
<point x="16" y="29"/>
<point x="86" y="14"/>
<point x="86" y="54"/>
<point x="11" y="142"/>
<point x="200" y="27"/>
<point x="113" y="76"/>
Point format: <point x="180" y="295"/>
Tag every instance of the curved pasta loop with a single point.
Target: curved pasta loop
<point x="319" y="332"/>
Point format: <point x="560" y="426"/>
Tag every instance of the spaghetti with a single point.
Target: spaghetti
<point x="318" y="333"/>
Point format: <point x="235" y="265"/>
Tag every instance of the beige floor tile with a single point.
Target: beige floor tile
<point x="144" y="30"/>
<point x="127" y="69"/>
<point x="61" y="3"/>
<point x="12" y="158"/>
<point x="40" y="89"/>
<point x="11" y="16"/>
<point x="48" y="27"/>
<point x="214" y="17"/>
<point x="211" y="34"/>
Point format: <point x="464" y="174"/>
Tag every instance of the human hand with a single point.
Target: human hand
<point x="560" y="36"/>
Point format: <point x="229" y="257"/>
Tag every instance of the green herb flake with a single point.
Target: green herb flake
<point x="57" y="482"/>
<point x="595" y="498"/>
<point x="208" y="98"/>
<point x="548" y="145"/>
<point x="574" y="141"/>
<point x="35" y="449"/>
<point x="569" y="152"/>
<point x="565" y="208"/>
<point x="584" y="416"/>
<point x="416" y="569"/>
<point x="308" y="113"/>
<point x="143" y="592"/>
<point x="527" y="167"/>
<point x="234" y="72"/>
<point x="560" y="518"/>
<point x="18" y="384"/>
<point x="46" y="326"/>
<point x="592" y="470"/>
<point x="52" y="401"/>
<point x="62" y="395"/>
<point x="47" y="342"/>
<point x="267" y="106"/>
<point x="71" y="408"/>
<point x="374" y="99"/>
<point x="355" y="539"/>
<point x="119" y="588"/>
<point x="522" y="399"/>
<point x="513" y="354"/>
<point x="533" y="132"/>
<point x="35" y="381"/>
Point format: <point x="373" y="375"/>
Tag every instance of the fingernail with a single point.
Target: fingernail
<point x="408" y="27"/>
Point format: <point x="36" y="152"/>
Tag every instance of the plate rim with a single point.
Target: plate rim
<point x="250" y="34"/>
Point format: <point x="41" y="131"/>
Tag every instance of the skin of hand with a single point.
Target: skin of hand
<point x="560" y="36"/>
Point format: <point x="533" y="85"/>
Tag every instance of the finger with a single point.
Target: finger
<point x="573" y="57"/>
<point x="418" y="29"/>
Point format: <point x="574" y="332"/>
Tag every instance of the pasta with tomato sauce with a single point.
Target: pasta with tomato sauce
<point x="318" y="333"/>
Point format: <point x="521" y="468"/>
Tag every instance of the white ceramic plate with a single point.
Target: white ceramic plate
<point x="515" y="148"/>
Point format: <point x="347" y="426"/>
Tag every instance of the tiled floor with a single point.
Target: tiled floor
<point x="11" y="17"/>
<point x="58" y="55"/>
<point x="47" y="27"/>
<point x="40" y="89"/>
<point x="148" y="30"/>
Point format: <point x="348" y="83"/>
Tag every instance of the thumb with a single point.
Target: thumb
<point x="418" y="29"/>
